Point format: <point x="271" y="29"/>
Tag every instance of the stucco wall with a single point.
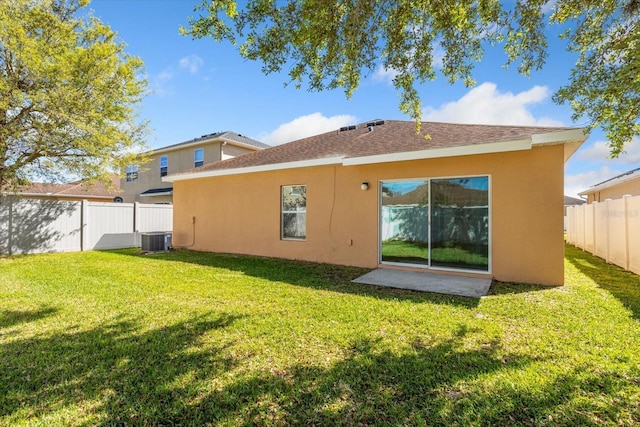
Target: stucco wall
<point x="615" y="192"/>
<point x="241" y="214"/>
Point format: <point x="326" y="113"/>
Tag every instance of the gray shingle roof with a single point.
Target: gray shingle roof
<point x="73" y="189"/>
<point x="572" y="201"/>
<point x="226" y="135"/>
<point x="624" y="177"/>
<point x="243" y="139"/>
<point x="379" y="138"/>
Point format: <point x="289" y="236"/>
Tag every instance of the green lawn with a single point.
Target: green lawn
<point x="108" y="338"/>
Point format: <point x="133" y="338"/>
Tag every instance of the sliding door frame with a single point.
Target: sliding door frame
<point x="428" y="266"/>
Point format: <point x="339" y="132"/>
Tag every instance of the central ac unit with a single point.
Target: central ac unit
<point x="156" y="241"/>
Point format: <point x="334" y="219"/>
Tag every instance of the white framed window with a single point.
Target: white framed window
<point x="131" y="172"/>
<point x="164" y="165"/>
<point x="198" y="157"/>
<point x="294" y="212"/>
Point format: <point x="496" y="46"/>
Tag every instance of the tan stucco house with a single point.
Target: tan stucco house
<point x="143" y="183"/>
<point x="475" y="200"/>
<point x="624" y="184"/>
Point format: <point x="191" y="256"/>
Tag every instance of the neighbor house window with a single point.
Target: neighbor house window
<point x="164" y="165"/>
<point x="132" y="173"/>
<point x="294" y="212"/>
<point x="198" y="157"/>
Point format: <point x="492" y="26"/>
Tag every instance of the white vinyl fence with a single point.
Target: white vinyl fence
<point x="37" y="226"/>
<point x="609" y="230"/>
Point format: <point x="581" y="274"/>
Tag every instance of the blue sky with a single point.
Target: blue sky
<point x="200" y="87"/>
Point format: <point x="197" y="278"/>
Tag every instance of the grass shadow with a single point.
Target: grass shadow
<point x="163" y="377"/>
<point x="10" y="318"/>
<point x="369" y="387"/>
<point x="121" y="370"/>
<point x="328" y="277"/>
<point x="429" y="384"/>
<point x="509" y="288"/>
<point x="623" y="285"/>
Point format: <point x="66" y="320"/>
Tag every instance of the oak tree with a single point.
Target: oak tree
<point x="68" y="94"/>
<point x="334" y="44"/>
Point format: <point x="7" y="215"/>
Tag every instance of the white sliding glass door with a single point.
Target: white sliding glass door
<point x="441" y="223"/>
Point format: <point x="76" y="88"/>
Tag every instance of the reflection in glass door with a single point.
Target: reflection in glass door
<point x="460" y="223"/>
<point x="441" y="223"/>
<point x="405" y="222"/>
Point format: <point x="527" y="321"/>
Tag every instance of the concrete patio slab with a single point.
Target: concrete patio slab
<point x="427" y="282"/>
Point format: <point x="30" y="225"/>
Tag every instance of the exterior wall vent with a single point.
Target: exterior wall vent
<point x="155" y="242"/>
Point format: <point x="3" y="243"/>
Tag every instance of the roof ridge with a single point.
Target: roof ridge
<point x="394" y="139"/>
<point x="211" y="136"/>
<point x="631" y="172"/>
<point x="366" y="124"/>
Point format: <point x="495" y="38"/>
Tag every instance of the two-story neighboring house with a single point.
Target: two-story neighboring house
<point x="143" y="183"/>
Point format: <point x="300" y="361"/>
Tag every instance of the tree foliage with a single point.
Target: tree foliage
<point x="68" y="94"/>
<point x="333" y="44"/>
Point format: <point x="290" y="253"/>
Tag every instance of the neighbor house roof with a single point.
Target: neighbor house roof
<point x="382" y="141"/>
<point x="572" y="201"/>
<point x="619" y="179"/>
<point x="226" y="136"/>
<point x="167" y="191"/>
<point x="97" y="190"/>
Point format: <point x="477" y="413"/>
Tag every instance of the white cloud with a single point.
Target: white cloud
<point x="549" y="7"/>
<point x="303" y="126"/>
<point x="487" y="105"/>
<point x="386" y="75"/>
<point x="573" y="184"/>
<point x="600" y="151"/>
<point x="192" y="63"/>
<point x="160" y="85"/>
<point x="383" y="74"/>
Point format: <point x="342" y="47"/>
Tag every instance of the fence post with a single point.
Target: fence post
<point x="626" y="231"/>
<point x="136" y="217"/>
<point x="569" y="213"/>
<point x="84" y="235"/>
<point x="584" y="228"/>
<point x="574" y="232"/>
<point x="10" y="226"/>
<point x="573" y="225"/>
<point x="608" y="233"/>
<point x="593" y="227"/>
<point x="136" y="223"/>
